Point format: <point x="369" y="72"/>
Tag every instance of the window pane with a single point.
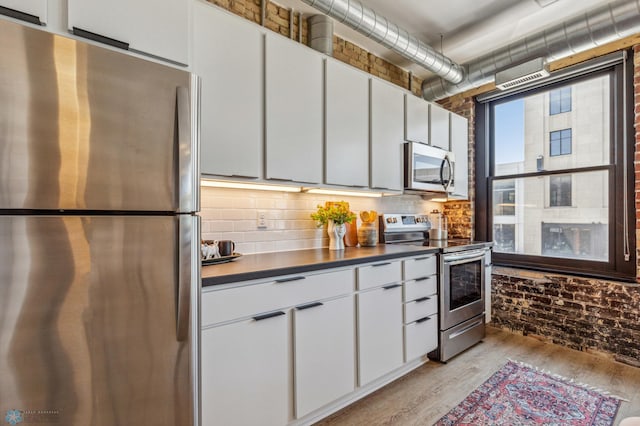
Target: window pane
<point x="576" y="227"/>
<point x="524" y="130"/>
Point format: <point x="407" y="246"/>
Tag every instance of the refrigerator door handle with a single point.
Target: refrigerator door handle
<point x="185" y="276"/>
<point x="188" y="147"/>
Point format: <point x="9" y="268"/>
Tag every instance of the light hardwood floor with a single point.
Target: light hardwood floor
<point x="426" y="394"/>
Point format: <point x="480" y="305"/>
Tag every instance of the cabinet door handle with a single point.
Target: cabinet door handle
<point x="422" y="278"/>
<point x="267" y="316"/>
<point x="100" y="38"/>
<point x="423" y="299"/>
<point x="389" y="287"/>
<point x="309" y="306"/>
<point x="381" y="264"/>
<point x="33" y="19"/>
<point x="421" y="258"/>
<point x="423" y="320"/>
<point x="243" y="176"/>
<point x="286" y="280"/>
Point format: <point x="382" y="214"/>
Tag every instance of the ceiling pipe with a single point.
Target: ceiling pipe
<point x="367" y="22"/>
<point x="591" y="29"/>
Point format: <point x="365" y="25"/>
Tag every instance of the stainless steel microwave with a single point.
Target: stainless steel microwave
<point x="428" y="169"/>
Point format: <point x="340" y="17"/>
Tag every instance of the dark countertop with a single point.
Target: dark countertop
<point x="265" y="265"/>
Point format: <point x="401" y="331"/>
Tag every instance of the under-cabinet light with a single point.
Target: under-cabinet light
<point x="325" y="191"/>
<point x="246" y="185"/>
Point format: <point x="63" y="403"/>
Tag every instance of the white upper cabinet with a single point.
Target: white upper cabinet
<point x="347" y="125"/>
<point x="416" y="119"/>
<point x="439" y="127"/>
<point x="155" y="27"/>
<point x="231" y="118"/>
<point x="387" y="134"/>
<point x="460" y="148"/>
<point x="36" y="8"/>
<point x="294" y="111"/>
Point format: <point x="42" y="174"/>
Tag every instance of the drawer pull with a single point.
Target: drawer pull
<point x="423" y="299"/>
<point x="267" y="316"/>
<point x="286" y="280"/>
<point x="381" y="264"/>
<point x="423" y="320"/>
<point x="422" y="258"/>
<point x="422" y="278"/>
<point x="389" y="287"/>
<point x="309" y="306"/>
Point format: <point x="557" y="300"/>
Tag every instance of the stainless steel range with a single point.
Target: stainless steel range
<point x="462" y="273"/>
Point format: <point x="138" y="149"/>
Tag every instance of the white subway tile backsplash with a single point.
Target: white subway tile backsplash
<point x="231" y="214"/>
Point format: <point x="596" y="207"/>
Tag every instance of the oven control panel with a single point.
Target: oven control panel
<point x="405" y="222"/>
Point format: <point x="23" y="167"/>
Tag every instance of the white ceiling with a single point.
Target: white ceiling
<point x="469" y="28"/>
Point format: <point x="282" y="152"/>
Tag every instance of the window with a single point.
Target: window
<point x="560" y="142"/>
<point x="504" y="196"/>
<point x="522" y="197"/>
<point x="560" y="191"/>
<point x="560" y="100"/>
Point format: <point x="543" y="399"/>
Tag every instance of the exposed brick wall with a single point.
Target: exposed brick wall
<point x="460" y="214"/>
<point x="277" y="20"/>
<point x="583" y="314"/>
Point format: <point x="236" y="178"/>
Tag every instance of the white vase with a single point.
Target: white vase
<point x="336" y="235"/>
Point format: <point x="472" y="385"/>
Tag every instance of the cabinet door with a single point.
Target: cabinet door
<point x="347" y="126"/>
<point x="231" y="125"/>
<point x="380" y="343"/>
<point x="324" y="342"/>
<point x="294" y="107"/>
<point x="439" y="127"/>
<point x="36" y="8"/>
<point x="245" y="373"/>
<point x="416" y="119"/>
<point x="387" y="132"/>
<point x="460" y="148"/>
<point x="156" y="27"/>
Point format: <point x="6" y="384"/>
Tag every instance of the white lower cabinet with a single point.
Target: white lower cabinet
<point x="379" y="332"/>
<point x="421" y="337"/>
<point x="245" y="373"/>
<point x="324" y="347"/>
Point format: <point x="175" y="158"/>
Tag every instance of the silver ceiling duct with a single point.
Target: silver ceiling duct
<point x="602" y="25"/>
<point x="367" y="22"/>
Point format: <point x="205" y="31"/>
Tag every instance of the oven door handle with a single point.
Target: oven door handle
<point x="479" y="254"/>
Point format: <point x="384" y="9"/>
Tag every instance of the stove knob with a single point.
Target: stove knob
<point x="388" y="220"/>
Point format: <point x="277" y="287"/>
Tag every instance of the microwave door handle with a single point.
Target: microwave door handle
<point x="450" y="172"/>
<point x="442" y="181"/>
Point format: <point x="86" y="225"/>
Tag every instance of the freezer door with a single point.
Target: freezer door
<point x="86" y="128"/>
<point x="89" y="321"/>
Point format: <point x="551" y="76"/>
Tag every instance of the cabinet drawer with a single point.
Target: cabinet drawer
<point x="420" y="288"/>
<point x="378" y="274"/>
<point x="282" y="292"/>
<point x="420" y="308"/>
<point x="420" y="337"/>
<point x="419" y="267"/>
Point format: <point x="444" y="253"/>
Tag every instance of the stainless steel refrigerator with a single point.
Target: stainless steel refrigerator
<point x="99" y="237"/>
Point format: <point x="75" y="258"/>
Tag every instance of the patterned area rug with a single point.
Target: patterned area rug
<point x="521" y="395"/>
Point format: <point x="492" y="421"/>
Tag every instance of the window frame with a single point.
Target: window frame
<point x="617" y="267"/>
